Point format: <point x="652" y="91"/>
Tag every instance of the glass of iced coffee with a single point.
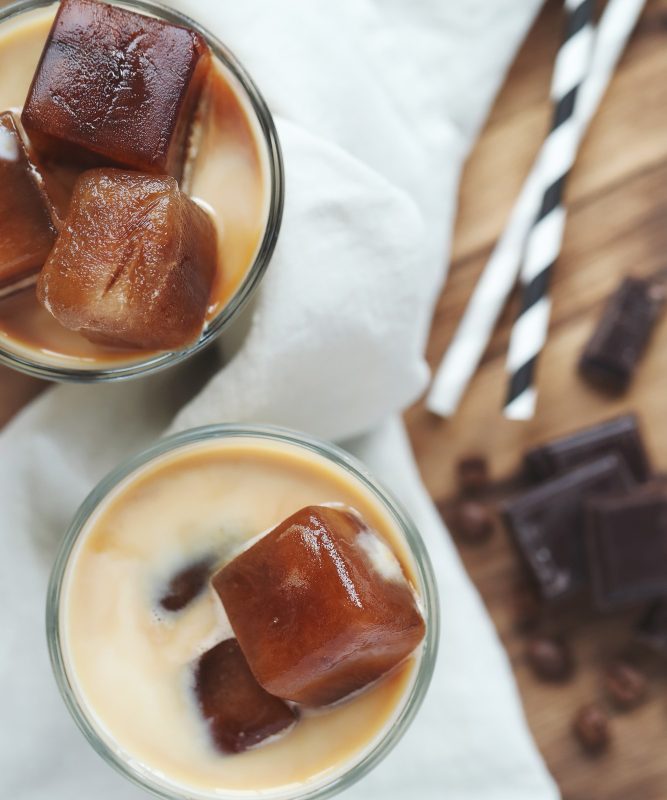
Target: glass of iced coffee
<point x="141" y="188"/>
<point x="242" y="611"/>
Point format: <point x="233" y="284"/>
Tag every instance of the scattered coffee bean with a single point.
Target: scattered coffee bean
<point x="625" y="685"/>
<point x="472" y="522"/>
<point x="473" y="474"/>
<point x="591" y="727"/>
<point x="549" y="658"/>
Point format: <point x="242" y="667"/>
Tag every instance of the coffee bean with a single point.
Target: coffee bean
<point x="473" y="474"/>
<point x="591" y="727"/>
<point x="549" y="658"/>
<point x="625" y="685"/>
<point x="472" y="522"/>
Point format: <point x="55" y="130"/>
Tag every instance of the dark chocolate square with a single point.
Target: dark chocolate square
<point x="547" y="522"/>
<point x="620" y="436"/>
<point x="611" y="356"/>
<point x="652" y="627"/>
<point x="627" y="546"/>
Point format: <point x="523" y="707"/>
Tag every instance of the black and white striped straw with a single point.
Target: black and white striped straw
<point x="544" y="240"/>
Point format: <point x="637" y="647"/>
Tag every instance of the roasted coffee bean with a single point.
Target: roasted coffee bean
<point x="549" y="658"/>
<point x="591" y="727"/>
<point x="473" y="474"/>
<point x="625" y="685"/>
<point x="472" y="522"/>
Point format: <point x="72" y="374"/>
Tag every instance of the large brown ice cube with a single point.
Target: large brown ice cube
<point x="27" y="232"/>
<point x="133" y="264"/>
<point x="115" y="87"/>
<point x="239" y="712"/>
<point x="320" y="606"/>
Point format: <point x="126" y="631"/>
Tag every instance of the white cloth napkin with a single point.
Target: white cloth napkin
<point x="376" y="105"/>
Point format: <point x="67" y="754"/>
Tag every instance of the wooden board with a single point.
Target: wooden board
<point x="618" y="224"/>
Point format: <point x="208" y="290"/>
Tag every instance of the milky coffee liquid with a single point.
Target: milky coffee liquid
<point x="130" y="662"/>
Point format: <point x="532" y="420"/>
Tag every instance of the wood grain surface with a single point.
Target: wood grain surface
<point x="617" y="225"/>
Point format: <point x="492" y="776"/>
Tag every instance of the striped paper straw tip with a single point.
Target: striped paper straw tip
<point x="545" y="237"/>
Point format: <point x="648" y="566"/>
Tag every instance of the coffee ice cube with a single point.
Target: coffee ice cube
<point x="187" y="584"/>
<point x="115" y="87"/>
<point x="240" y="714"/>
<point x="133" y="264"/>
<point x="27" y="232"/>
<point x="320" y="606"/>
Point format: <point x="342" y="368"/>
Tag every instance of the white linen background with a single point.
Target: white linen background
<point x="377" y="104"/>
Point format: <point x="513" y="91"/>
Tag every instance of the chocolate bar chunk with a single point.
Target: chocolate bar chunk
<point x="627" y="545"/>
<point x="547" y="524"/>
<point x="652" y="627"/>
<point x="116" y="88"/>
<point x="620" y="436"/>
<point x="611" y="356"/>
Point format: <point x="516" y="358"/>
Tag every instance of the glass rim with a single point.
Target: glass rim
<point x="256" y="270"/>
<point x="422" y="565"/>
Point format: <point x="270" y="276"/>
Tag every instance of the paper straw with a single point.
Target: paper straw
<point x="545" y="238"/>
<point x="500" y="274"/>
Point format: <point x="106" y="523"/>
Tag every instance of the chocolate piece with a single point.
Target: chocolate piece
<point x="591" y="727"/>
<point x="320" y="606"/>
<point x="239" y="712"/>
<point x="549" y="658"/>
<point x="620" y="436"/>
<point x="652" y="627"/>
<point x="627" y="545"/>
<point x="611" y="356"/>
<point x="473" y="474"/>
<point x="547" y="524"/>
<point x="472" y="522"/>
<point x="625" y="685"/>
<point x="187" y="584"/>
<point x="134" y="263"/>
<point x="27" y="231"/>
<point x="115" y="87"/>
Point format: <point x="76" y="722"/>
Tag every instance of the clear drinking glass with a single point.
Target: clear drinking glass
<point x="134" y="367"/>
<point x="426" y="587"/>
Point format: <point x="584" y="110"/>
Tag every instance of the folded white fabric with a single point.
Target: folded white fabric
<point x="376" y="105"/>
